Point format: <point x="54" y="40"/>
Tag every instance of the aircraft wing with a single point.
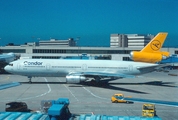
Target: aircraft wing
<point x="156" y="67"/>
<point x="152" y="68"/>
<point x="103" y="74"/>
<point x="147" y="67"/>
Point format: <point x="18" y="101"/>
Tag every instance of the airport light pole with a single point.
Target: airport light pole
<point x="77" y="39"/>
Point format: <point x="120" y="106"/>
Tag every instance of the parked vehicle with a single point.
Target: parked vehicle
<point x="119" y="98"/>
<point x="16" y="107"/>
<point x="148" y="110"/>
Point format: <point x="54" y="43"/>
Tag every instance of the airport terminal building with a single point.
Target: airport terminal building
<point x="120" y="47"/>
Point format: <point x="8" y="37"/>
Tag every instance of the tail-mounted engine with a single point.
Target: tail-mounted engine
<point x="151" y="57"/>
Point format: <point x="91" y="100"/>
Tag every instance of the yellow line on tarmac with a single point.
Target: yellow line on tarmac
<point x="6" y="78"/>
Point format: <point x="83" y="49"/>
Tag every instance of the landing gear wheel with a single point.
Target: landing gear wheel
<point x="30" y="78"/>
<point x="93" y="82"/>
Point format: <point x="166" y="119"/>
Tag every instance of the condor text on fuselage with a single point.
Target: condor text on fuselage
<point x="32" y="63"/>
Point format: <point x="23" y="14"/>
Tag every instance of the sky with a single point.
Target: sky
<point x="92" y="21"/>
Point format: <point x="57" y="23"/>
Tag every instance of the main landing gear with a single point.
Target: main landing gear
<point x="30" y="79"/>
<point x="96" y="81"/>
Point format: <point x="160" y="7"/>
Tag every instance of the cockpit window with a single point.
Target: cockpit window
<point x="10" y="64"/>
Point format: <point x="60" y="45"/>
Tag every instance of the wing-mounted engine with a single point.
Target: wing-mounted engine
<point x="150" y="57"/>
<point x="75" y="78"/>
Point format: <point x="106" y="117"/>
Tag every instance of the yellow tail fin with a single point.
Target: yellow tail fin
<point x="155" y="44"/>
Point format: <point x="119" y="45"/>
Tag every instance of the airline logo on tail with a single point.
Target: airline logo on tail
<point x="155" y="45"/>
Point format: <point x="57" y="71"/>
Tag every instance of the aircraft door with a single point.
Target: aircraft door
<point x="130" y="68"/>
<point x="48" y="66"/>
<point x="18" y="66"/>
<point x="84" y="67"/>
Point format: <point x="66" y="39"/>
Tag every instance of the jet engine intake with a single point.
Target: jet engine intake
<point x="75" y="78"/>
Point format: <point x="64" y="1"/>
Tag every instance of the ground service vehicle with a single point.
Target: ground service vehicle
<point x="119" y="98"/>
<point x="148" y="110"/>
<point x="16" y="107"/>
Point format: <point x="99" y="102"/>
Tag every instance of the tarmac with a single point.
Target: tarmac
<point x="96" y="99"/>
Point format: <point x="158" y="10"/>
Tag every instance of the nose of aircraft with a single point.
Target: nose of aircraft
<point x="7" y="68"/>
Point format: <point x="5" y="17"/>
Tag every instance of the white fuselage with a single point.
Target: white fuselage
<point x="62" y="67"/>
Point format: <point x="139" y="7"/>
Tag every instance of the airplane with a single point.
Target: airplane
<point x="151" y="52"/>
<point x="77" y="71"/>
<point x="7" y="58"/>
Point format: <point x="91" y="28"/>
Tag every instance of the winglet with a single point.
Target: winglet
<point x="156" y="43"/>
